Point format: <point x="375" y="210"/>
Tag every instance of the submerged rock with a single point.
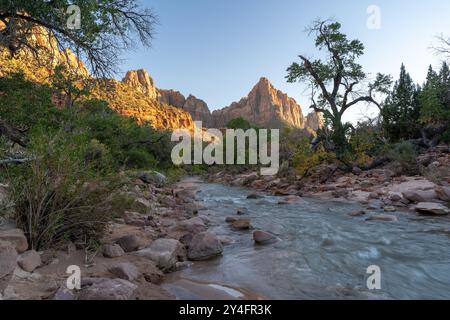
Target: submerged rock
<point x="263" y="237"/>
<point x="432" y="208"/>
<point x="383" y="217"/>
<point x="241" y="224"/>
<point x="357" y="213"/>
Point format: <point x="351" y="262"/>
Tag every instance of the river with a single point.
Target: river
<point x="322" y="252"/>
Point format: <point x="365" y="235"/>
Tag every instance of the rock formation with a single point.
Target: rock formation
<point x="141" y="81"/>
<point x="172" y="97"/>
<point x="264" y="106"/>
<point x="199" y="111"/>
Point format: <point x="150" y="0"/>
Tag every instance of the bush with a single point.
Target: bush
<point x="306" y="158"/>
<point x="59" y="196"/>
<point x="405" y="155"/>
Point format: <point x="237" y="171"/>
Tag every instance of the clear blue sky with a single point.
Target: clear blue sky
<point x="218" y="49"/>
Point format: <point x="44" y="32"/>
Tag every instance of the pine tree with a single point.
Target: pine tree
<point x="400" y="113"/>
<point x="435" y="97"/>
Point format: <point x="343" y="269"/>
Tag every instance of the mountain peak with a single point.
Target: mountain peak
<point x="141" y="81"/>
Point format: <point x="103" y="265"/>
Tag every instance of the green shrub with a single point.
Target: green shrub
<point x="405" y="155"/>
<point x="59" y="196"/>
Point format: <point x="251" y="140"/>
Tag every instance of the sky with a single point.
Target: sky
<point x="218" y="49"/>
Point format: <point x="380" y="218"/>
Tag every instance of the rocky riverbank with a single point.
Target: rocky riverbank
<point x="168" y="231"/>
<point x="165" y="234"/>
<point x="375" y="189"/>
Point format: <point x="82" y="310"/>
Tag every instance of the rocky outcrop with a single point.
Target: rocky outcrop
<point x="130" y="102"/>
<point x="265" y="106"/>
<point x="199" y="111"/>
<point x="171" y="97"/>
<point x="141" y="81"/>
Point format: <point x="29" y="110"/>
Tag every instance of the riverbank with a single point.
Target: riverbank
<point x="384" y="188"/>
<point x="140" y="250"/>
<point x="145" y="254"/>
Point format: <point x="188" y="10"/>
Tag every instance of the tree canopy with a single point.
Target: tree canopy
<point x="106" y="28"/>
<point x="337" y="82"/>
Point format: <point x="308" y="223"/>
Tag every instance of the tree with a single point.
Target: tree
<point x="336" y="82"/>
<point x="435" y="106"/>
<point x="400" y="112"/>
<point x="106" y="29"/>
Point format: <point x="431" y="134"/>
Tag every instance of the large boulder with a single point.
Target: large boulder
<point x="16" y="237"/>
<point x="242" y="224"/>
<point x="420" y="196"/>
<point x="112" y="251"/>
<point x="107" y="289"/>
<point x="125" y="271"/>
<point x="8" y="258"/>
<point x="153" y="177"/>
<point x="443" y="193"/>
<point x="129" y="243"/>
<point x="432" y="208"/>
<point x="29" y="261"/>
<point x="165" y="253"/>
<point x="193" y="226"/>
<point x="204" y="246"/>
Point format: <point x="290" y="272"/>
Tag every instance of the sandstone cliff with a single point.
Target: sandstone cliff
<point x="141" y="81"/>
<point x="197" y="108"/>
<point x="264" y="106"/>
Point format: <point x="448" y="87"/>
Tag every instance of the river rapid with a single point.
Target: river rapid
<point x="321" y="252"/>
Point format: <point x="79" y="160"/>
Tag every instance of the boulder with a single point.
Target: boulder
<point x="8" y="262"/>
<point x="204" y="246"/>
<point x="29" y="261"/>
<point x="165" y="253"/>
<point x="112" y="251"/>
<point x="432" y="208"/>
<point x="242" y="224"/>
<point x="129" y="243"/>
<point x="395" y="197"/>
<point x="125" y="271"/>
<point x="16" y="237"/>
<point x="263" y="237"/>
<point x="443" y="193"/>
<point x="154" y="178"/>
<point x="420" y="196"/>
<point x="193" y="225"/>
<point x="107" y="289"/>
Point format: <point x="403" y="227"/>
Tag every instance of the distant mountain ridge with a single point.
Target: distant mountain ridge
<point x="264" y="106"/>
